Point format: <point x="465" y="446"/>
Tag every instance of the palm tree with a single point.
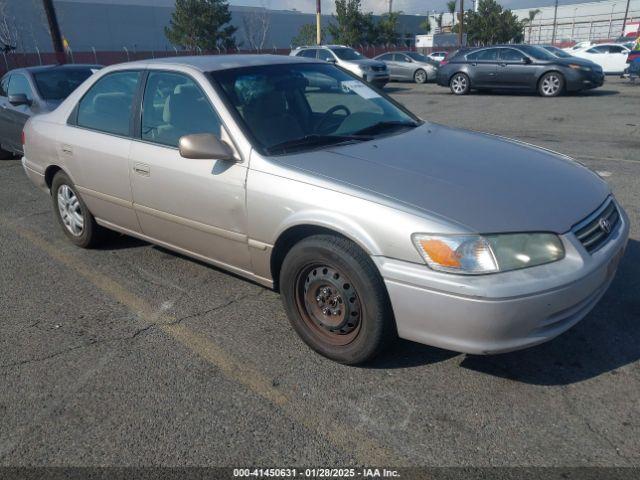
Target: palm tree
<point x="439" y="22"/>
<point x="532" y="16"/>
<point x="452" y="10"/>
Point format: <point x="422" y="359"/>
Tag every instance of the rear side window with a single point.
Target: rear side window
<point x="489" y="55"/>
<point x="309" y="53"/>
<point x="616" y="49"/>
<point x="106" y="107"/>
<point x="174" y="106"/>
<point x="325" y="55"/>
<point x="598" y="50"/>
<point x="19" y="84"/>
<point x="58" y="84"/>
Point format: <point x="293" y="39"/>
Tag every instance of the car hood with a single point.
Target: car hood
<point x="577" y="61"/>
<point x="486" y="183"/>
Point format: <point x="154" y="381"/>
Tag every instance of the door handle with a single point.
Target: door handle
<point x="503" y="64"/>
<point x="474" y="64"/>
<point x="142" y="169"/>
<point x="66" y="149"/>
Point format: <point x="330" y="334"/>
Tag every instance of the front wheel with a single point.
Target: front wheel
<point x="73" y="215"/>
<point x="336" y="300"/>
<point x="460" y="84"/>
<point x="420" y="76"/>
<point x="551" y="84"/>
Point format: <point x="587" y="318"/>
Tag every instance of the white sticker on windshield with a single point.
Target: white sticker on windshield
<point x="359" y="88"/>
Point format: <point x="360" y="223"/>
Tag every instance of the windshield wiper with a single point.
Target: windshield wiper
<point x="385" y="125"/>
<point x="314" y="140"/>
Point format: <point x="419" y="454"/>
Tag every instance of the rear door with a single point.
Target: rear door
<point x="4" y="102"/>
<point x="617" y="58"/>
<point x="483" y="67"/>
<point x="96" y="146"/>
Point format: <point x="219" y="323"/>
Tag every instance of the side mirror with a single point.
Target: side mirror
<point x="19" y="99"/>
<point x="526" y="60"/>
<point x="205" y="146"/>
<point x="332" y="60"/>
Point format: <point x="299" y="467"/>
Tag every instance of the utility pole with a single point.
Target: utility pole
<point x="626" y="14"/>
<point x="318" y="22"/>
<point x="54" y="29"/>
<point x="555" y="20"/>
<point x="461" y="23"/>
<point x="390" y="6"/>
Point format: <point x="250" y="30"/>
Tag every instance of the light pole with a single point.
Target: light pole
<point x="624" y="22"/>
<point x="611" y="20"/>
<point x="318" y="22"/>
<point x="54" y="30"/>
<point x="555" y="20"/>
<point x="461" y="24"/>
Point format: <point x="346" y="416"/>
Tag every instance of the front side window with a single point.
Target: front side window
<point x="19" y="84"/>
<point x="58" y="84"/>
<point x="174" y="106"/>
<point x="106" y="107"/>
<point x="285" y="107"/>
<point x="417" y="57"/>
<point x="325" y="55"/>
<point x="402" y="58"/>
<point x="309" y="53"/>
<point x="386" y="57"/>
<point x="511" y="55"/>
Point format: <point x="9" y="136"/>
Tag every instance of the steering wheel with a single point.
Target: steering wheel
<point x="327" y="116"/>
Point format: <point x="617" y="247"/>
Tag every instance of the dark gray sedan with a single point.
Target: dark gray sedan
<point x="29" y="91"/>
<point x="518" y="67"/>
<point x="409" y="66"/>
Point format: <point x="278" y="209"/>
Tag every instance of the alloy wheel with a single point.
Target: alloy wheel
<point x="459" y="84"/>
<point x="421" y="76"/>
<point x="70" y="210"/>
<point x="551" y="85"/>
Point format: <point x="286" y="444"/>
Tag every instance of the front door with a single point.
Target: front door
<point x="405" y="66"/>
<point x="195" y="205"/>
<point x="513" y="69"/>
<point x="15" y="116"/>
<point x="483" y="67"/>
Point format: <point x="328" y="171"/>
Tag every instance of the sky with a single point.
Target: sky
<point x="379" y="6"/>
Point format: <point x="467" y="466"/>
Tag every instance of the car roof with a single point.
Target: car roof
<point x="44" y="68"/>
<point x="210" y="63"/>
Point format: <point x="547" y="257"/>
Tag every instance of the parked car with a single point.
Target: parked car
<point x="411" y="66"/>
<point x="578" y="46"/>
<point x="518" y="67"/>
<point x="612" y="57"/>
<point x="558" y="52"/>
<point x="370" y="222"/>
<point x="438" y="56"/>
<point x="29" y="91"/>
<point x="372" y="71"/>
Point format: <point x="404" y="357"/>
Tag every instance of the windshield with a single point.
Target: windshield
<point x="58" y="84"/>
<point x="538" y="53"/>
<point x="419" y="57"/>
<point x="558" y="52"/>
<point x="293" y="107"/>
<point x="347" y="54"/>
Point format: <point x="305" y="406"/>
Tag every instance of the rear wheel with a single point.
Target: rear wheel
<point x="460" y="84"/>
<point x="551" y="84"/>
<point x="73" y="215"/>
<point x="335" y="299"/>
<point x="420" y="76"/>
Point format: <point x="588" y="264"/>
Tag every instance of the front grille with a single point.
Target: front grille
<point x="594" y="232"/>
<point x="379" y="69"/>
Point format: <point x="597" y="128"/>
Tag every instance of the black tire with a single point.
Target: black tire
<point x="6" y="155"/>
<point x="551" y="84"/>
<point x="91" y="233"/>
<point x="360" y="323"/>
<point x="460" y="84"/>
<point x="420" y="76"/>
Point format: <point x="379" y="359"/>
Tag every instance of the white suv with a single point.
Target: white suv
<point x="372" y="71"/>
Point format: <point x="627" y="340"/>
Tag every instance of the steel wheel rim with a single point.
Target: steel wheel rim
<point x="551" y="85"/>
<point x="459" y="84"/>
<point x="421" y="76"/>
<point x="70" y="210"/>
<point x="328" y="304"/>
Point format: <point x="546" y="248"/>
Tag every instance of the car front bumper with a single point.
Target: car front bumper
<point x="502" y="312"/>
<point x="577" y="80"/>
<point x="378" y="79"/>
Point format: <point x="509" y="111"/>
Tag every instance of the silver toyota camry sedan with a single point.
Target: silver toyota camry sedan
<point x="369" y="221"/>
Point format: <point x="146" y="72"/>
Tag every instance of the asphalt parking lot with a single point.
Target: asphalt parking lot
<point x="133" y="355"/>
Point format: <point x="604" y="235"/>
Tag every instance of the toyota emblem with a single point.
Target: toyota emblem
<point x="605" y="225"/>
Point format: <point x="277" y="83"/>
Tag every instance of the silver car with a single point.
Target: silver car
<point x="372" y="71"/>
<point x="410" y="66"/>
<point x="370" y="222"/>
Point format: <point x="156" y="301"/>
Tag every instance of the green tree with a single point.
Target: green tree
<point x="426" y="25"/>
<point x="201" y="24"/>
<point x="387" y="28"/>
<point x="307" y="35"/>
<point x="491" y="24"/>
<point x="532" y="16"/>
<point x="351" y="26"/>
<point x="451" y="6"/>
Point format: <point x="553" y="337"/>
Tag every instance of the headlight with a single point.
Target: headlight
<point x="580" y="67"/>
<point x="364" y="68"/>
<point x="480" y="254"/>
